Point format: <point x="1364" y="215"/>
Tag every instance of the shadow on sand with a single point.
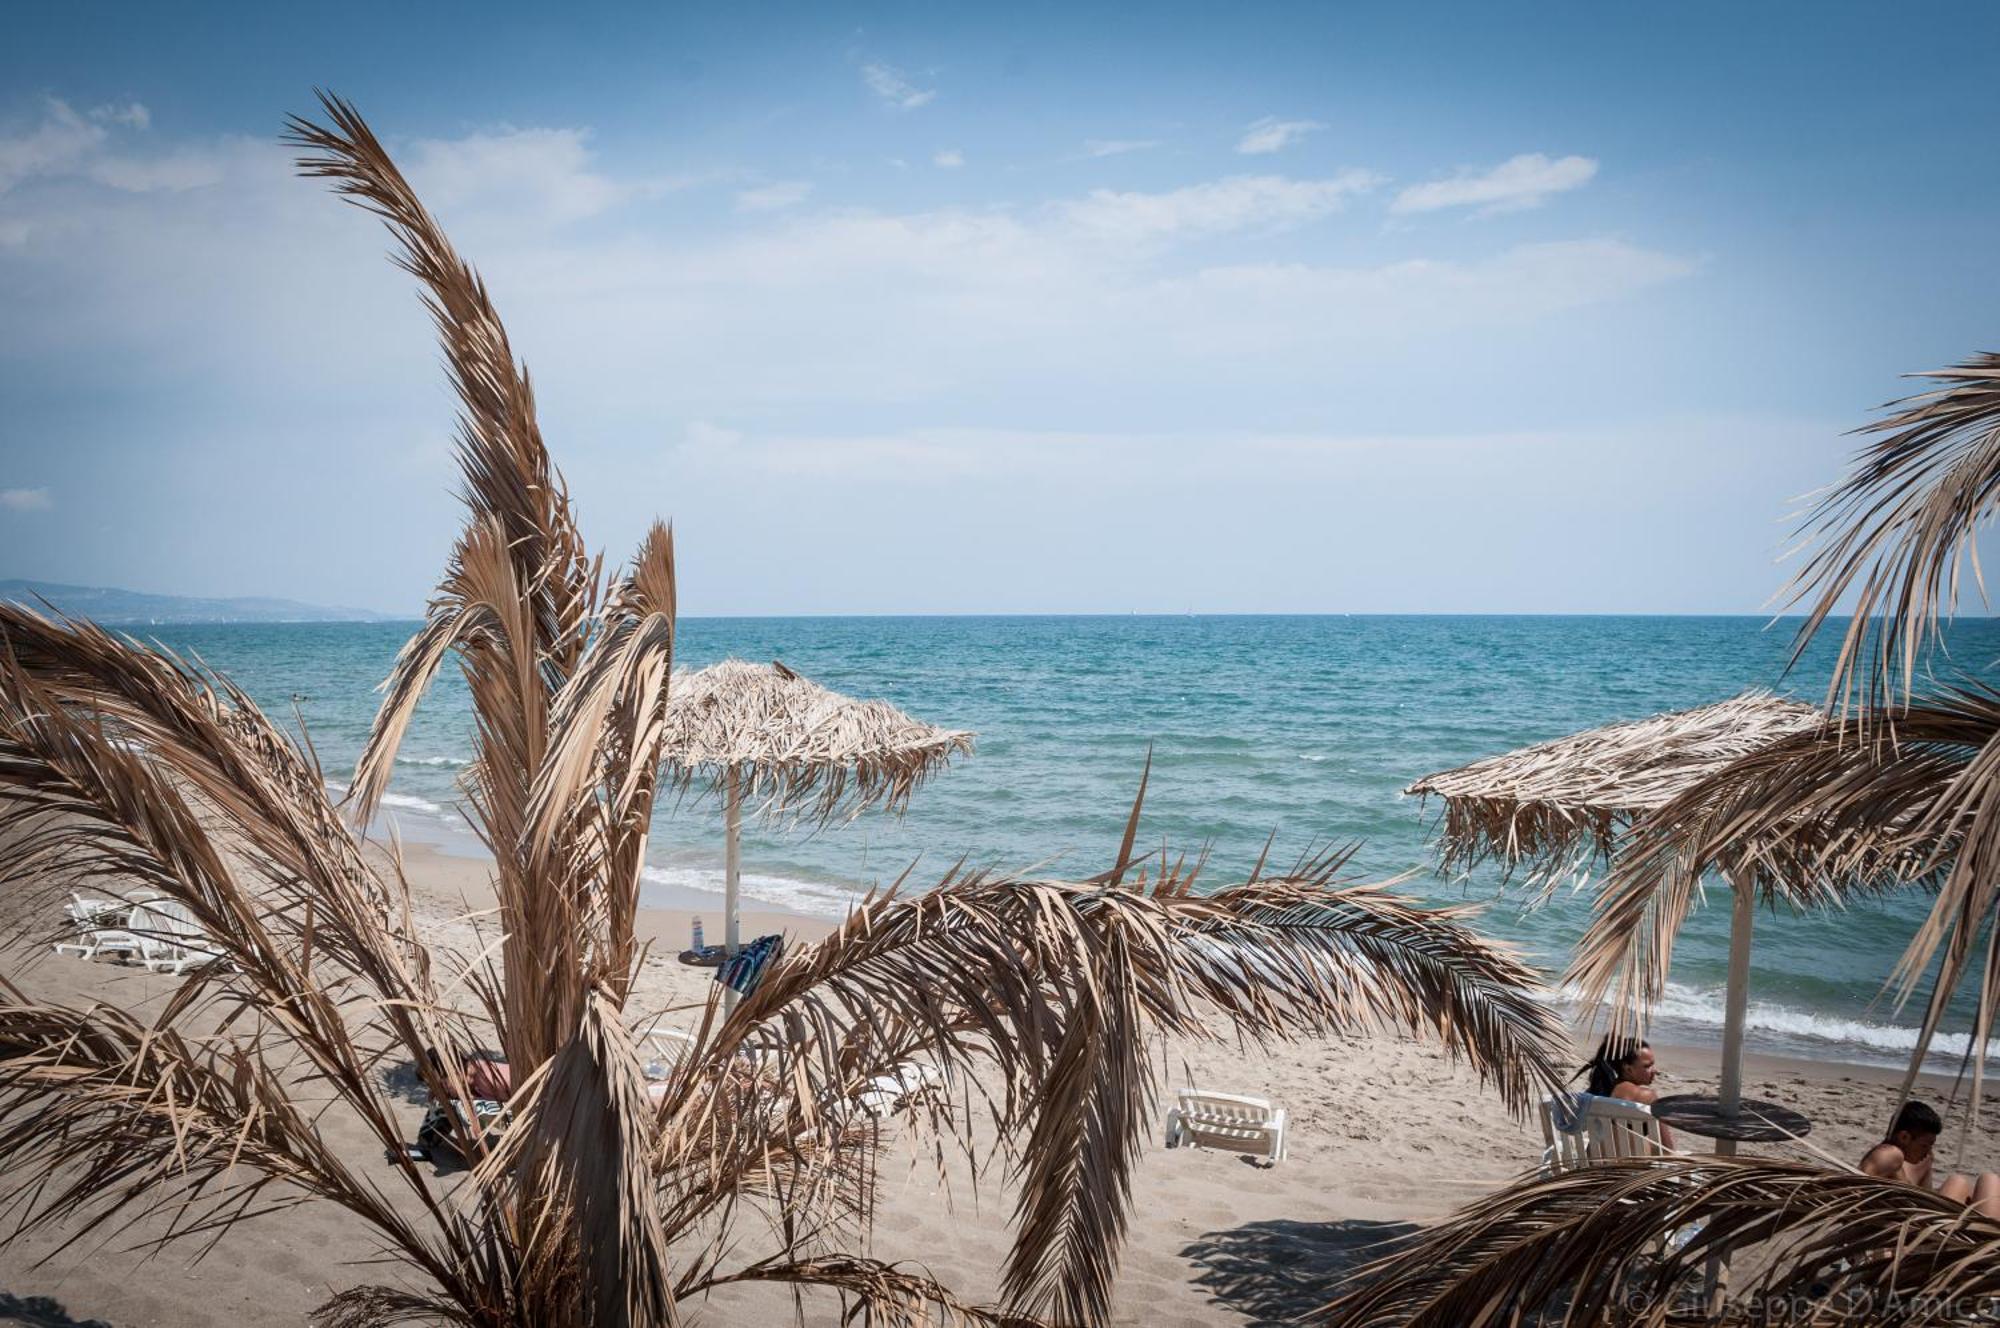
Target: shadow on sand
<point x="1273" y="1272"/>
<point x="402" y="1082"/>
<point x="40" y="1312"/>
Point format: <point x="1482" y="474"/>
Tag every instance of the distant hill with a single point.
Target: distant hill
<point x="105" y="605"/>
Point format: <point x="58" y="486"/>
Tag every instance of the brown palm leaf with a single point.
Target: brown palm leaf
<point x="534" y="628"/>
<point x="1898" y="532"/>
<point x="1040" y="997"/>
<point x="169" y="1118"/>
<point x="1626" y="1243"/>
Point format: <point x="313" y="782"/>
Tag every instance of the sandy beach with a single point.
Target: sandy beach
<point x="1385" y="1135"/>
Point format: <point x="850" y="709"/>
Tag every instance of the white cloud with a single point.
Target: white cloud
<point x="1271" y="134"/>
<point x="1517" y="183"/>
<point x="773" y="197"/>
<point x="948" y="158"/>
<point x="131" y="114"/>
<point x="192" y="169"/>
<point x="530" y="175"/>
<point x="890" y="84"/>
<point x="1116" y="147"/>
<point x="1268" y="302"/>
<point x="66" y="144"/>
<point x="55" y="145"/>
<point x="1241" y="202"/>
<point x="263" y="291"/>
<point x="844" y="305"/>
<point x="26" y="500"/>
<point x="703" y="439"/>
<point x="838" y="501"/>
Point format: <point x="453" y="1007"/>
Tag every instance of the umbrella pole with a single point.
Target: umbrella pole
<point x="1735" y="1012"/>
<point x="732" y="862"/>
<point x="1736" y="1006"/>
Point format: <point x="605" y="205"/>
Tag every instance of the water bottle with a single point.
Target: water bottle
<point x="698" y="947"/>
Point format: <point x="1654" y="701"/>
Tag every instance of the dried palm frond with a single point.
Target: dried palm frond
<point x="522" y="590"/>
<point x="1898" y="533"/>
<point x="1046" y="994"/>
<point x="878" y="1294"/>
<point x="119" y="763"/>
<point x="1626" y="1243"/>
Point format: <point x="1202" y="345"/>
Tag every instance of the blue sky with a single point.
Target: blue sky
<point x="916" y="309"/>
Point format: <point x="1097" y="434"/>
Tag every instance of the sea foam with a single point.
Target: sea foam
<point x="815" y="898"/>
<point x="1787" y="1030"/>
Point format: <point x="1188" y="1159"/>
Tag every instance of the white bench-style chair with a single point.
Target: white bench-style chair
<point x="170" y="940"/>
<point x="101" y="927"/>
<point x="1583" y="1128"/>
<point x="1228" y="1121"/>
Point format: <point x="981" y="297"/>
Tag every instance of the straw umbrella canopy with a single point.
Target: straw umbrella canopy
<point x="1561" y="805"/>
<point x="760" y="733"/>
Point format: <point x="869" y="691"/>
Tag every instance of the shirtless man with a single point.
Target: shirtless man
<point x="1908" y="1155"/>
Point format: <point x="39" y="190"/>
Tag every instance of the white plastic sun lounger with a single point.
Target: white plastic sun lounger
<point x="170" y="940"/>
<point x="664" y="1048"/>
<point x="1247" y="1125"/>
<point x="101" y="927"/>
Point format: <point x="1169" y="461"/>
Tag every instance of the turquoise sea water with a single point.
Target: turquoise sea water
<point x="1307" y="725"/>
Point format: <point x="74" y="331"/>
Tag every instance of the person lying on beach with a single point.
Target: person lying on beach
<point x="485" y="1072"/>
<point x="1623" y="1068"/>
<point x="488" y="1083"/>
<point x="1909" y="1155"/>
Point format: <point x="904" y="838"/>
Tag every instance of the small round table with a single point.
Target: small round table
<point x="1754" y="1122"/>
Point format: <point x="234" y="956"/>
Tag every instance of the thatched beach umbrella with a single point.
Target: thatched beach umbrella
<point x="760" y="733"/>
<point x="1560" y="805"/>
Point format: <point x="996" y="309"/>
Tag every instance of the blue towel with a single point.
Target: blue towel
<point x="741" y="970"/>
<point x="1568" y="1110"/>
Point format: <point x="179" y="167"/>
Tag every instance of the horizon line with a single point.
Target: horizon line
<point x="386" y="618"/>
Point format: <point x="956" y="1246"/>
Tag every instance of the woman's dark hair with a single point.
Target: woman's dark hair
<point x="1608" y="1066"/>
<point x="1917" y="1118"/>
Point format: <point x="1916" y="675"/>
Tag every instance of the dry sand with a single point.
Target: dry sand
<point x="1384" y="1134"/>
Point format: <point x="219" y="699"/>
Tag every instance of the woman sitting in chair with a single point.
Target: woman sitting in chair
<point x="1623" y="1068"/>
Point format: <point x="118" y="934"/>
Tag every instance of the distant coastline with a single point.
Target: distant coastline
<point x="126" y="608"/>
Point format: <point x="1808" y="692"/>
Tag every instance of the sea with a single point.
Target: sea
<point x="1303" y="727"/>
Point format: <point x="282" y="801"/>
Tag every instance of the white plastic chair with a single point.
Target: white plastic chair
<point x="92" y="919"/>
<point x="1602" y="1129"/>
<point x="1236" y="1124"/>
<point x="170" y="940"/>
<point x="888" y="1092"/>
<point x="1605" y="1129"/>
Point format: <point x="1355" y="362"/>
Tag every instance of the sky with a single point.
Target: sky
<point x="922" y="309"/>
